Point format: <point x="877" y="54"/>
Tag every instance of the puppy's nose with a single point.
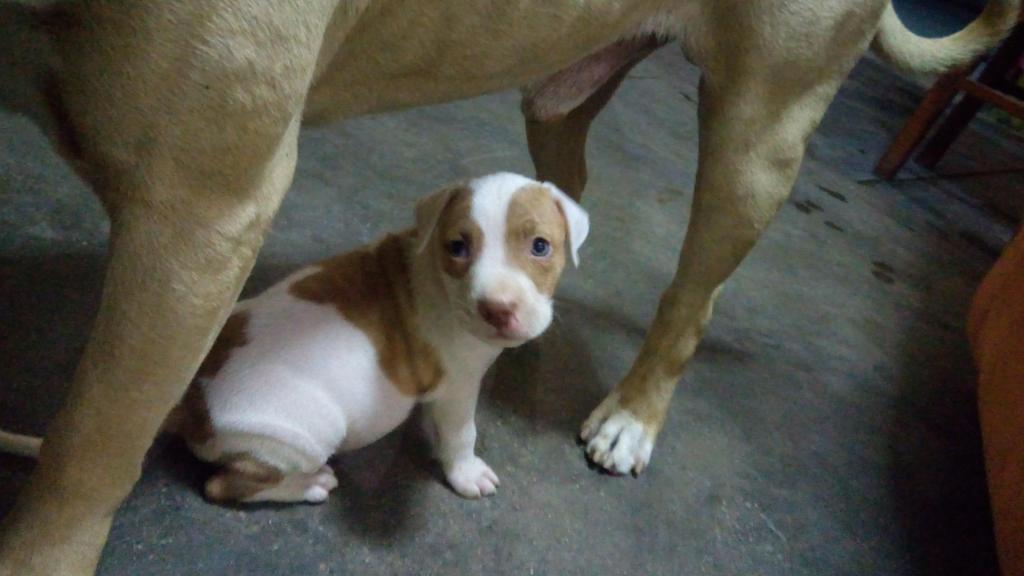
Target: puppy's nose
<point x="497" y="313"/>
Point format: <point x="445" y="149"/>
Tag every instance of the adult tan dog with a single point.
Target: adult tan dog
<point x="183" y="115"/>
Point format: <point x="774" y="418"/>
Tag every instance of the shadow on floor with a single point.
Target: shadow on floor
<point x="937" y="473"/>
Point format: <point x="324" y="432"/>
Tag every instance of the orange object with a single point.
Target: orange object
<point x="995" y="327"/>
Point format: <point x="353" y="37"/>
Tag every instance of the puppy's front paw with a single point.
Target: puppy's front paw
<point x="472" y="478"/>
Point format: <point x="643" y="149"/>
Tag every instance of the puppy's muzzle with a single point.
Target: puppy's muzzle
<point x="500" y="315"/>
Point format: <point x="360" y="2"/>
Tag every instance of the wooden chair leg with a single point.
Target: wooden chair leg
<point x="935" y="101"/>
<point x="993" y="74"/>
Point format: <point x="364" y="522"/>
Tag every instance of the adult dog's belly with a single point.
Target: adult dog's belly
<point x="402" y="53"/>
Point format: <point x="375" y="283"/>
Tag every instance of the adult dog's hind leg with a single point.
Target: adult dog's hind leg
<point x="191" y="167"/>
<point x="172" y="277"/>
<point x="753" y="133"/>
<point x="558" y="110"/>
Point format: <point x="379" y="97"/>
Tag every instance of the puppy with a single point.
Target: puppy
<point x="335" y="356"/>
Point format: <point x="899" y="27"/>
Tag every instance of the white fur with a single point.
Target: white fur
<point x="308" y="382"/>
<point x="621" y="443"/>
<point x="494" y="278"/>
<point x="308" y="378"/>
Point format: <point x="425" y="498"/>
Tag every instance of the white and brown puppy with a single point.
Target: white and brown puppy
<point x="336" y="355"/>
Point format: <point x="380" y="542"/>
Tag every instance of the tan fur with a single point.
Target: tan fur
<point x="558" y="145"/>
<point x="912" y="53"/>
<point x="457" y="49"/>
<point x="196" y="427"/>
<point x="184" y="117"/>
<point x="371" y="288"/>
<point x="532" y="213"/>
<point x="456" y="223"/>
<point x="557" y="139"/>
<point x="240" y="479"/>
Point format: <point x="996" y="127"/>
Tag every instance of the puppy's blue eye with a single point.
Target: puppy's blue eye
<point x="458" y="249"/>
<point x="541" y="248"/>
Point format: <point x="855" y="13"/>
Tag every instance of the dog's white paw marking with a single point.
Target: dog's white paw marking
<point x="472" y="478"/>
<point x="319" y="485"/>
<point x="616" y="440"/>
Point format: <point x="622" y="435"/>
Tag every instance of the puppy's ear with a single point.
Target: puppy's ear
<point x="576" y="219"/>
<point x="428" y="212"/>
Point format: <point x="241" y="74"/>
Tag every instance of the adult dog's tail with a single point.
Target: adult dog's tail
<point x="912" y="53"/>
<point x="19" y="444"/>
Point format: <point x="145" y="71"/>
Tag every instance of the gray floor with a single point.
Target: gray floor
<point x="825" y="427"/>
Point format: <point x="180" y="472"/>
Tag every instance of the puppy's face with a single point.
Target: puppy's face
<point x="500" y="243"/>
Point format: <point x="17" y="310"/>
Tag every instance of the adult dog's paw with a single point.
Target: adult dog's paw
<point x="472" y="478"/>
<point x="617" y="440"/>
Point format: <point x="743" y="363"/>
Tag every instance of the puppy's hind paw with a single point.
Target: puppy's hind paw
<point x="319" y="485"/>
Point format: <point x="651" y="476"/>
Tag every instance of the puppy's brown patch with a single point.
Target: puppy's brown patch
<point x="232" y="336"/>
<point x="533" y="213"/>
<point x="241" y="479"/>
<point x="191" y="417"/>
<point x="371" y="288"/>
<point x="456" y="223"/>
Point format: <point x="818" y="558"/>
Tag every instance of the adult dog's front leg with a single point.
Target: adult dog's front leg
<point x="453" y="417"/>
<point x="752" y="139"/>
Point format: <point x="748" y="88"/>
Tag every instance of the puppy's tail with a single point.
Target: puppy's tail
<point x="20" y="444"/>
<point x="916" y="54"/>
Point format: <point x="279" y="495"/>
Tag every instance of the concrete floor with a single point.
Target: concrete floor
<point x="826" y="426"/>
